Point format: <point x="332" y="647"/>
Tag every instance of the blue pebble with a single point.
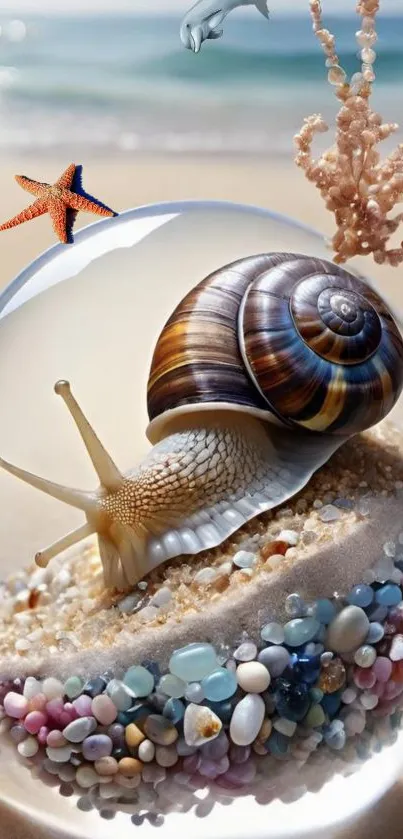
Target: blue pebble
<point x="277" y="744"/>
<point x="362" y="750"/>
<point x="331" y="703"/>
<point x="219" y="685"/>
<point x="137" y="712"/>
<point x="94" y="686"/>
<point x="139" y="680"/>
<point x="306" y="668"/>
<point x="324" y="611"/>
<point x="389" y="595"/>
<point x="316" y="694"/>
<point x="375" y="633"/>
<point x="300" y="630"/>
<point x="376" y="613"/>
<point x="361" y="595"/>
<point x="193" y="662"/>
<point x="174" y="710"/>
<point x="153" y="668"/>
<point x="292" y="699"/>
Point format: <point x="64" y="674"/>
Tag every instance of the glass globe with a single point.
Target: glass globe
<point x="91" y="313"/>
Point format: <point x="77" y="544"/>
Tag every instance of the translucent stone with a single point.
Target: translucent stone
<point x="300" y="631"/>
<point x="219" y="685"/>
<point x="273" y="633"/>
<point x="110" y="278"/>
<point x="139" y="680"/>
<point x="193" y="662"/>
<point x="172" y="686"/>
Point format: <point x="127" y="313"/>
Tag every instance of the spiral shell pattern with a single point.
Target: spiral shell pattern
<point x="295" y="335"/>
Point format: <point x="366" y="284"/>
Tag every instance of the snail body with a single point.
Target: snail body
<point x="263" y="370"/>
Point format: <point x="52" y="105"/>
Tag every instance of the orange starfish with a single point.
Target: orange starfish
<point x="60" y="200"/>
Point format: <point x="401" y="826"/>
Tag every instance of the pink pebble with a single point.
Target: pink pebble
<point x="43" y="735"/>
<point x="238" y="775"/>
<point x="382" y="668"/>
<point x="55" y="739"/>
<point x="104" y="709"/>
<point x="83" y="705"/>
<point x="38" y="702"/>
<point x="393" y="689"/>
<point x="379" y="689"/>
<point x="70" y="709"/>
<point x="15" y="705"/>
<point x="34" y="721"/>
<point x="364" y="678"/>
<point x="192" y="763"/>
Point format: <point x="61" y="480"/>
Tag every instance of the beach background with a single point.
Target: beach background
<point x="149" y="121"/>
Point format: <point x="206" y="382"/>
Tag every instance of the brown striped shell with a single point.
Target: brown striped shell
<point x="295" y="336"/>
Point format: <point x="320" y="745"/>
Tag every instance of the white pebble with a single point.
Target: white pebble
<point x="224" y="570"/>
<point x="62" y="580"/>
<point x="369" y="700"/>
<point x="396" y="650"/>
<point x="61" y="754"/>
<point x="289" y="536"/>
<point x="246" y="651"/>
<point x="205" y="576"/>
<point x="389" y="549"/>
<point x="149" y="613"/>
<point x="52" y="688"/>
<point x="348" y="696"/>
<point x="253" y="677"/>
<point x="244" y="559"/>
<point x="166" y="755"/>
<point x="161" y="597"/>
<point x="86" y="777"/>
<point x="200" y="725"/>
<point x="146" y="751"/>
<point x="274" y="561"/>
<point x="247" y="719"/>
<point x="28" y="747"/>
<point x="32" y="687"/>
<point x="36" y="635"/>
<point x="329" y="513"/>
<point x="22" y="645"/>
<point x="286" y="727"/>
<point x="365" y="656"/>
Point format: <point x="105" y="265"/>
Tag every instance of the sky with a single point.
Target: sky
<point x="18" y="7"/>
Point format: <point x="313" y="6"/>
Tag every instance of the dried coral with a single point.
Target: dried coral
<point x="358" y="188"/>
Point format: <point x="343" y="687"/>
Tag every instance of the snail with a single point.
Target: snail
<point x="262" y="371"/>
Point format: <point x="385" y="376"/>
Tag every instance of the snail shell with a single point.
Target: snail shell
<point x="284" y="336"/>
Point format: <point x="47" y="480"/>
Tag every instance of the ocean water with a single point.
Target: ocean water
<point x="125" y="84"/>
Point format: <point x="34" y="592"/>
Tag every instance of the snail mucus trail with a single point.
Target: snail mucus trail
<point x="263" y="370"/>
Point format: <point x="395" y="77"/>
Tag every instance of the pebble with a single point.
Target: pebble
<point x="86" y="777"/>
<point x="221" y="684"/>
<point x="200" y="725"/>
<point x="160" y="730"/>
<point x="289" y="536"/>
<point x="166" y="756"/>
<point x="273" y="633"/>
<point x="61" y="754"/>
<point x="193" y="662"/>
<point x="106" y="766"/>
<point x="55" y="739"/>
<point x="194" y="693"/>
<point x="129" y="767"/>
<point x="73" y="687"/>
<point x="246" y="651"/>
<point x="129" y="603"/>
<point x="365" y="656"/>
<point x="83" y="705"/>
<point x="120" y="695"/>
<point x="244" y="559"/>
<point x="253" y="677"/>
<point x="369" y="700"/>
<point x="52" y="688"/>
<point x="348" y="630"/>
<point x="104" y="709"/>
<point x="133" y="736"/>
<point x="79" y="729"/>
<point x="146" y="751"/>
<point x="29" y="747"/>
<point x="97" y="746"/>
<point x="292" y="699"/>
<point x="247" y="719"/>
<point x="329" y="513"/>
<point x="324" y="611"/>
<point x="286" y="727"/>
<point x="161" y="597"/>
<point x="375" y="633"/>
<point x="348" y="696"/>
<point x="332" y="677"/>
<point x="206" y="576"/>
<point x="172" y="686"/>
<point x="294" y="605"/>
<point x="389" y="595"/>
<point x="300" y="630"/>
<point x="315" y="716"/>
<point x="31" y="687"/>
<point x="139" y="680"/>
<point x="396" y="649"/>
<point x="15" y="705"/>
<point x="361" y="595"/>
<point x="276" y="659"/>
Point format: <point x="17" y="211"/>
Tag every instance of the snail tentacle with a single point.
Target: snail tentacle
<point x="42" y="558"/>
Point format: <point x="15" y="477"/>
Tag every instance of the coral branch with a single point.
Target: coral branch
<point x="357" y="187"/>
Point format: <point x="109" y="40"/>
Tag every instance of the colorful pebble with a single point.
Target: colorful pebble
<point x="220" y="684"/>
<point x="193" y="662"/>
<point x="348" y="630"/>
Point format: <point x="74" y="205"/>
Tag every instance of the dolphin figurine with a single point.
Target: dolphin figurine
<point x="204" y="19"/>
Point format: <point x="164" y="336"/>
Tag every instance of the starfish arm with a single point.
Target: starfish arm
<point x="38" y="208"/>
<point x="66" y="179"/>
<point x="58" y="212"/>
<point x="79" y="202"/>
<point x="34" y="187"/>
